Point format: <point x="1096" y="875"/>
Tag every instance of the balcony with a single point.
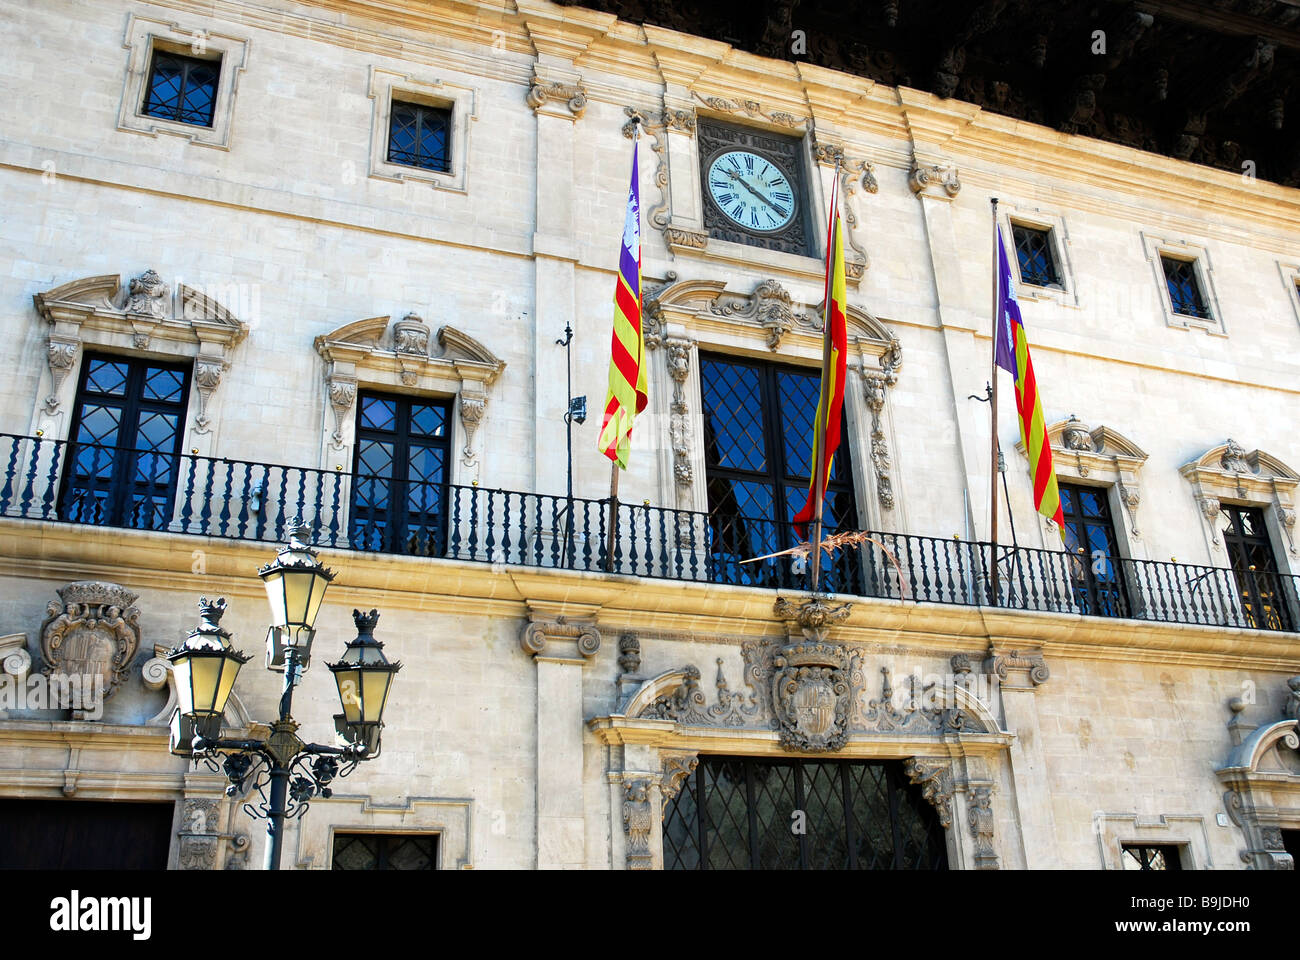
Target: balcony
<point x="42" y="479"/>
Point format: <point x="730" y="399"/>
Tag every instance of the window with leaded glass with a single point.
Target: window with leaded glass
<point x="181" y="88"/>
<point x="123" y="454"/>
<point x="418" y="136"/>
<point x="1090" y="536"/>
<point x="758" y="421"/>
<point x="399" y="491"/>
<point x="784" y="814"/>
<point x="1035" y="256"/>
<point x="385" y="851"/>
<point x="1151" y="856"/>
<point x="1254" y="566"/>
<point x="1185" y="294"/>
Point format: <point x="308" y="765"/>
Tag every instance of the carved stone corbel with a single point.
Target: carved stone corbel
<point x="935" y="780"/>
<point x="676" y="768"/>
<point x="573" y="96"/>
<point x="1211" y="508"/>
<point x="343" y="394"/>
<point x="472" y="405"/>
<point x="1018" y="669"/>
<point x="207" y="377"/>
<point x="62" y="355"/>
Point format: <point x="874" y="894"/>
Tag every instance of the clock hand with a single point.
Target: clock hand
<point x="744" y="183"/>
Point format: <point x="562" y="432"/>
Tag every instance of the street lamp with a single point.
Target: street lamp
<point x="205" y="667"/>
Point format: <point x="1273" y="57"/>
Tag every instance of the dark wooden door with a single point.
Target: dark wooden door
<point x="84" y="835"/>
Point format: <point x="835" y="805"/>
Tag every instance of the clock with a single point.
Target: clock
<point x="753" y="187"/>
<point x="751" y="191"/>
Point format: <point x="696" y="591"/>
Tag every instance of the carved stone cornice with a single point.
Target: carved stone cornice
<point x="934" y="180"/>
<point x="752" y="109"/>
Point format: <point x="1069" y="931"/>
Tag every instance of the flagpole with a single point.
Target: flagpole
<point x="993" y="412"/>
<point x="819" y="428"/>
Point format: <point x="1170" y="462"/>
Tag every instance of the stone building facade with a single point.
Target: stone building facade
<point x="283" y="269"/>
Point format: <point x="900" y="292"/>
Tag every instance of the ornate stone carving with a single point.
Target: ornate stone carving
<point x="207" y="377"/>
<point x="61" y="355"/>
<point x="472" y="406"/>
<point x="1075" y="436"/>
<point x="93" y="632"/>
<point x="679" y="422"/>
<point x="1229" y="471"/>
<point x="935" y="780"/>
<point x="572" y="95"/>
<point x="342" y="393"/>
<point x="147" y="295"/>
<point x="979" y="816"/>
<point x="200" y="834"/>
<point x="853" y="174"/>
<point x="750" y="108"/>
<point x="629" y="653"/>
<point x="770" y="306"/>
<point x="675" y="769"/>
<point x="814" y="616"/>
<point x="933" y="178"/>
<point x="1233" y="458"/>
<point x="411" y="336"/>
<point x="682" y="237"/>
<point x="960" y="663"/>
<point x="828" y="154"/>
<point x="1211" y="508"/>
<point x="810" y="696"/>
<point x="637" y="822"/>
<point x="1291" y="709"/>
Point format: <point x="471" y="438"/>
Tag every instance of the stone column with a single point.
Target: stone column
<point x="1020" y="673"/>
<point x="560" y="645"/>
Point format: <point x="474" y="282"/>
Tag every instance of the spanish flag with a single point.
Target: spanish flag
<point x="830" y="405"/>
<point x="1012" y="355"/>
<point x="627" y="371"/>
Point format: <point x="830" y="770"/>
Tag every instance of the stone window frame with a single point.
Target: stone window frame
<point x="449" y="817"/>
<point x="1291" y="280"/>
<point x="1058" y="237"/>
<point x="387" y="85"/>
<point x="364" y="355"/>
<point x="1199" y="256"/>
<point x="144" y="318"/>
<point x="143" y="36"/>
<point x="1114" y="830"/>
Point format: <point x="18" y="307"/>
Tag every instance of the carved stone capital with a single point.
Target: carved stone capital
<point x="572" y="96"/>
<point x="561" y="640"/>
<point x="1018" y="669"/>
<point x="934" y="180"/>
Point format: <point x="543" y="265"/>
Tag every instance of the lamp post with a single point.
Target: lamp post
<point x="205" y="667"/>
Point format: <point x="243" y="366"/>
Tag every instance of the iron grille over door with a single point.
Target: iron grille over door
<point x="124" y="453"/>
<point x="744" y="814"/>
<point x="758" y="448"/>
<point x="1250" y="554"/>
<point x="399" y="495"/>
<point x="1090" y="535"/>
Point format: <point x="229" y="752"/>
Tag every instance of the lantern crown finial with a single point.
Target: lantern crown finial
<point x="365" y="623"/>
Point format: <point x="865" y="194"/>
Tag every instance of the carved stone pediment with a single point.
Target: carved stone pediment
<point x="92" y="631"/>
<point x="1230" y="472"/>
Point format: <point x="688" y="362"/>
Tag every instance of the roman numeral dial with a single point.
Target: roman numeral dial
<point x="751" y="191"/>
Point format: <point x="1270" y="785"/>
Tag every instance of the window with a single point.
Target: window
<point x="1250" y="554"/>
<point x="1155" y="856"/>
<point x="385" y="851"/>
<point x="735" y="814"/>
<point x="123" y="457"/>
<point x="399" y="493"/>
<point x="1185" y="294"/>
<point x="1090" y="536"/>
<point x="1034" y="253"/>
<point x="758" y="448"/>
<point x="180" y="88"/>
<point x="417" y="136"/>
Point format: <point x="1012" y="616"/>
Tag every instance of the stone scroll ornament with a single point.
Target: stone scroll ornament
<point x="93" y="630"/>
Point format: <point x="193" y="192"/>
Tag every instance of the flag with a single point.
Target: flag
<point x="627" y="375"/>
<point x="830" y="404"/>
<point x="1011" y="353"/>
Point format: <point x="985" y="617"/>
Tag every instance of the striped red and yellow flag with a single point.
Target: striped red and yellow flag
<point x="828" y="424"/>
<point x="1012" y="355"/>
<point x="627" y="368"/>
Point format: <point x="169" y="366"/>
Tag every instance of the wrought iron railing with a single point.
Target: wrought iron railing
<point x="241" y="500"/>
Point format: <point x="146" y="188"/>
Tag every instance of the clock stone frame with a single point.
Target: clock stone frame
<point x="787" y="155"/>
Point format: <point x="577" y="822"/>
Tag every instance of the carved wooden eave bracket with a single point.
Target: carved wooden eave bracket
<point x="1099" y="454"/>
<point x="146" y="315"/>
<point x="363" y="352"/>
<point x="1229" y="471"/>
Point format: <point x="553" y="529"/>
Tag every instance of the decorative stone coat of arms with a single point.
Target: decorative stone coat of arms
<point x="810" y="696"/>
<point x="92" y="630"/>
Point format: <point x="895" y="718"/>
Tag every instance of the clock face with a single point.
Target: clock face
<point x="751" y="191"/>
